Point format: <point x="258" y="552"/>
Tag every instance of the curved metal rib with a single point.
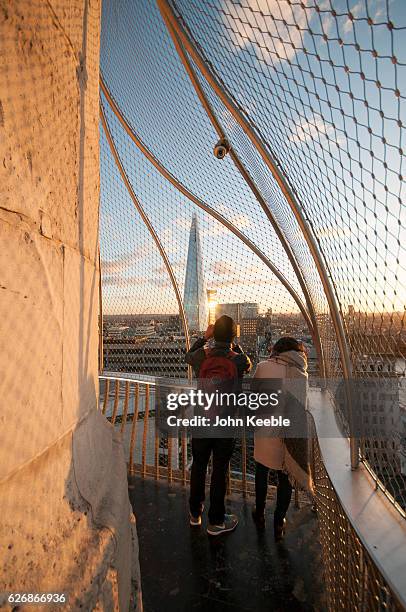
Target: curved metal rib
<point x="166" y="174"/>
<point x="247" y="178"/>
<point x="101" y="338"/>
<point x="281" y="180"/>
<point x="149" y="225"/>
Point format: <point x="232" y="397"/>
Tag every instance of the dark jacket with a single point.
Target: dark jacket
<point x="196" y="355"/>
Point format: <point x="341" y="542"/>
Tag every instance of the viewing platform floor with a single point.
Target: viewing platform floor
<point x="183" y="569"/>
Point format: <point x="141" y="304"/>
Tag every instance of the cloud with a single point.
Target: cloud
<point x="224" y="209"/>
<point x="312" y="129"/>
<point x="160" y="281"/>
<point x="276" y="28"/>
<point x="241" y="221"/>
<point x="124" y="281"/>
<point x="240" y="283"/>
<point x="222" y="267"/>
<point x="148" y="292"/>
<point x="176" y="265"/>
<point x="358" y="10"/>
<point x="333" y="232"/>
<point x="376" y="9"/>
<point x="183" y="222"/>
<point x="257" y="273"/>
<point x="213" y="228"/>
<point x="169" y="240"/>
<point x="146" y="249"/>
<point x="122" y="263"/>
<point x="272" y="26"/>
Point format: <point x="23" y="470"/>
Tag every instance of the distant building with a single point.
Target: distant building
<point x="402" y="445"/>
<point x="249" y="324"/>
<point x="195" y="297"/>
<point x="144" y="331"/>
<point x="251" y="330"/>
<point x="238" y="311"/>
<point x="212" y="300"/>
<point x="118" y="331"/>
<point x="154" y="355"/>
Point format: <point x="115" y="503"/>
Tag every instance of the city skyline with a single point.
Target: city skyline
<point x="370" y="273"/>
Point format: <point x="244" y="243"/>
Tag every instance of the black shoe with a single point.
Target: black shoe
<point x="259" y="518"/>
<point x="279" y="528"/>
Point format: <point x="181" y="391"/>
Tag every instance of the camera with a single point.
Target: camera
<point x="221" y="149"/>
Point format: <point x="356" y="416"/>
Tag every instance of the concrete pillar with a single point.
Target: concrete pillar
<point x="66" y="523"/>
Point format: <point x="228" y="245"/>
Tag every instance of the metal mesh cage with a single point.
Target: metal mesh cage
<point x="303" y="218"/>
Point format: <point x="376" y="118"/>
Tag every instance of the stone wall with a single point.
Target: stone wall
<point x="65" y="516"/>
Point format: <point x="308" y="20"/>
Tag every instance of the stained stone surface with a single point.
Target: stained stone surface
<point x="65" y="522"/>
<point x="183" y="569"/>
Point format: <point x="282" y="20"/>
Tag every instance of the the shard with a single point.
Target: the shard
<point x="195" y="296"/>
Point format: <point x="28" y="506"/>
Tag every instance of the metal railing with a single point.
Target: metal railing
<point x="353" y="578"/>
<point x="128" y="402"/>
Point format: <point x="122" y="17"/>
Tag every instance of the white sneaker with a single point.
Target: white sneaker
<point x="230" y="523"/>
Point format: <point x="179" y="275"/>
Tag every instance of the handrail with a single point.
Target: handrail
<point x="101" y="339"/>
<point x="121" y="404"/>
<point x="360" y="530"/>
<point x="145" y="379"/>
<point x="378" y="521"/>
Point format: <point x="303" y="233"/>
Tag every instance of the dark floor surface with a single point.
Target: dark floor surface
<point x="183" y="569"/>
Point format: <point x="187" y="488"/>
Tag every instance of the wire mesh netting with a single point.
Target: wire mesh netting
<point x="176" y="113"/>
<point x="186" y="151"/>
<point x="320" y="84"/>
<point x="138" y="295"/>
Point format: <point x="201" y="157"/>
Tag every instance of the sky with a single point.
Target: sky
<point x="309" y="107"/>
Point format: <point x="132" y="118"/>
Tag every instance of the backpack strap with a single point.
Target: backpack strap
<point x="229" y="355"/>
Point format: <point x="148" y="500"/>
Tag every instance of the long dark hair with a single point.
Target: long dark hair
<point x="286" y="343"/>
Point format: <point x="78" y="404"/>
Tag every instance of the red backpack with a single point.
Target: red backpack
<point x="218" y="367"/>
<point x="218" y="372"/>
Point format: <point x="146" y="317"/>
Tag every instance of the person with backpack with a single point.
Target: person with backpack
<point x="288" y="456"/>
<point x="226" y="362"/>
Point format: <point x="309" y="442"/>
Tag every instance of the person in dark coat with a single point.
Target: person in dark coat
<point x="221" y="449"/>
